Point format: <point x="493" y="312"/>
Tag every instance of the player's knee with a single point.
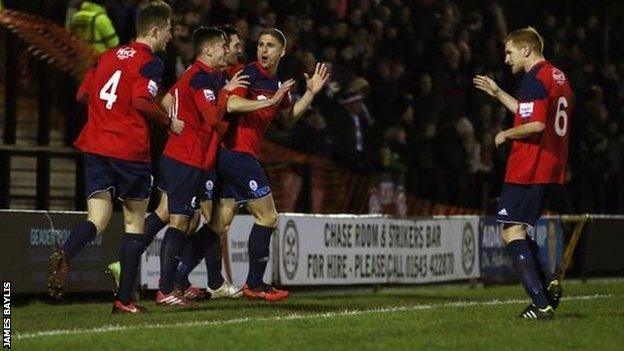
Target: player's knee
<point x="134" y="223"/>
<point x="513" y="232"/>
<point x="180" y="223"/>
<point x="193" y="225"/>
<point x="219" y="228"/>
<point x="268" y="220"/>
<point x="100" y="224"/>
<point x="163" y="214"/>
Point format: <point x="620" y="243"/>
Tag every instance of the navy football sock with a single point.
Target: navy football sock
<point x="259" y="248"/>
<point x="130" y="252"/>
<point x="79" y="237"/>
<point x="169" y="251"/>
<point x="192" y="254"/>
<point x="542" y="271"/>
<point x="524" y="264"/>
<point x="213" y="259"/>
<point x="153" y="224"/>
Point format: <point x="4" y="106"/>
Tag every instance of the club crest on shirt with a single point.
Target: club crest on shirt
<point x="526" y="109"/>
<point x="152" y="88"/>
<point x="125" y="52"/>
<point x="209" y="95"/>
<point x="209" y="185"/>
<point x="558" y="76"/>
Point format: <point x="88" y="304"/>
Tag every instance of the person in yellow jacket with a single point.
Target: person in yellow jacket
<point x="94" y="26"/>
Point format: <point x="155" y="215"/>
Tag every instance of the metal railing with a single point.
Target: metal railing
<point x="43" y="155"/>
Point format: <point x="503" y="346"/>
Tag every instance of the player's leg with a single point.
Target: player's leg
<point x="192" y="254"/>
<point x="154" y="222"/>
<point x="519" y="208"/>
<point x="134" y="181"/>
<point x="220" y="219"/>
<point x="265" y="213"/>
<point x="131" y="247"/>
<point x="99" y="184"/>
<point x="523" y="260"/>
<point x="171" y="249"/>
<point x="181" y="182"/>
<point x="550" y="282"/>
<point x="157" y="220"/>
<point x="100" y="209"/>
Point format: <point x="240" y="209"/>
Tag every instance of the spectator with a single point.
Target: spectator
<point x="352" y="137"/>
<point x="94" y="26"/>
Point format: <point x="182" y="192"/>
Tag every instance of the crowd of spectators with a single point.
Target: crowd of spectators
<point x="400" y="102"/>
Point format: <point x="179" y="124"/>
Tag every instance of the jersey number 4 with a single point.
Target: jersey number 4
<point x="107" y="93"/>
<point x="561" y="118"/>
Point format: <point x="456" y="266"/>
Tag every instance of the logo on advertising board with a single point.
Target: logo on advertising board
<point x="468" y="249"/>
<point x="290" y="243"/>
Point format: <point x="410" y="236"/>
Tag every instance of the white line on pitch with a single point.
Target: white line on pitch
<point x="289" y="317"/>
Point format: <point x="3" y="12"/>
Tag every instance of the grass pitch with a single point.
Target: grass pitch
<point x="450" y="317"/>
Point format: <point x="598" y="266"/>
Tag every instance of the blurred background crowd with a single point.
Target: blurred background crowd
<point x="400" y="105"/>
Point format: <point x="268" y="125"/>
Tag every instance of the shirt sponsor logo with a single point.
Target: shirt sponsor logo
<point x="125" y="52"/>
<point x="526" y="109"/>
<point x="253" y="185"/>
<point x="209" y="95"/>
<point x="558" y="76"/>
<point x="261" y="97"/>
<point x="152" y="87"/>
<point x="503" y="212"/>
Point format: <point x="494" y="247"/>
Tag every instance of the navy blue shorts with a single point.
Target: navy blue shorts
<point x="241" y="177"/>
<point x="125" y="179"/>
<point x="186" y="186"/>
<point x="522" y="203"/>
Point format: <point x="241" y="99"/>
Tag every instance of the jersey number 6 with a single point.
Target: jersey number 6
<point x="561" y="119"/>
<point x="107" y="93"/>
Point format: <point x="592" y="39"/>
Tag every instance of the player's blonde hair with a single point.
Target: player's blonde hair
<point x="527" y="36"/>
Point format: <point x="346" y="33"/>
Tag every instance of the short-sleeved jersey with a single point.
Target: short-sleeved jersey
<point x="231" y="70"/>
<point x="545" y="96"/>
<point x="197" y="91"/>
<point x="116" y="129"/>
<point x="247" y="130"/>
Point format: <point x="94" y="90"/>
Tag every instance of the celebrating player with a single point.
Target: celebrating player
<point x="536" y="162"/>
<point x="205" y="243"/>
<point x="242" y="177"/>
<point x="120" y="92"/>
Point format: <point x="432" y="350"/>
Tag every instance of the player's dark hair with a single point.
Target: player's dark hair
<point x="204" y="36"/>
<point x="228" y="30"/>
<point x="527" y="36"/>
<point x="151" y="14"/>
<point x="275" y="33"/>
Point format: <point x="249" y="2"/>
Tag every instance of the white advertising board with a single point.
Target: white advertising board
<point x="340" y="250"/>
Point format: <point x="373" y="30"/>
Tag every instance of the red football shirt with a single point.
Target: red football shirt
<point x="246" y="130"/>
<point x="545" y="96"/>
<point x="116" y="129"/>
<point x="199" y="101"/>
<point x="231" y="70"/>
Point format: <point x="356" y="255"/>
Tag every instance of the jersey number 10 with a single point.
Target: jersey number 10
<point x="561" y="118"/>
<point x="107" y="93"/>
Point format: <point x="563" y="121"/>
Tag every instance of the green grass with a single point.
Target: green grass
<point x="451" y="317"/>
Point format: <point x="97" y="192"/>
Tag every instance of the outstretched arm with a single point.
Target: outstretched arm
<point x="489" y="86"/>
<point x="314" y="84"/>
